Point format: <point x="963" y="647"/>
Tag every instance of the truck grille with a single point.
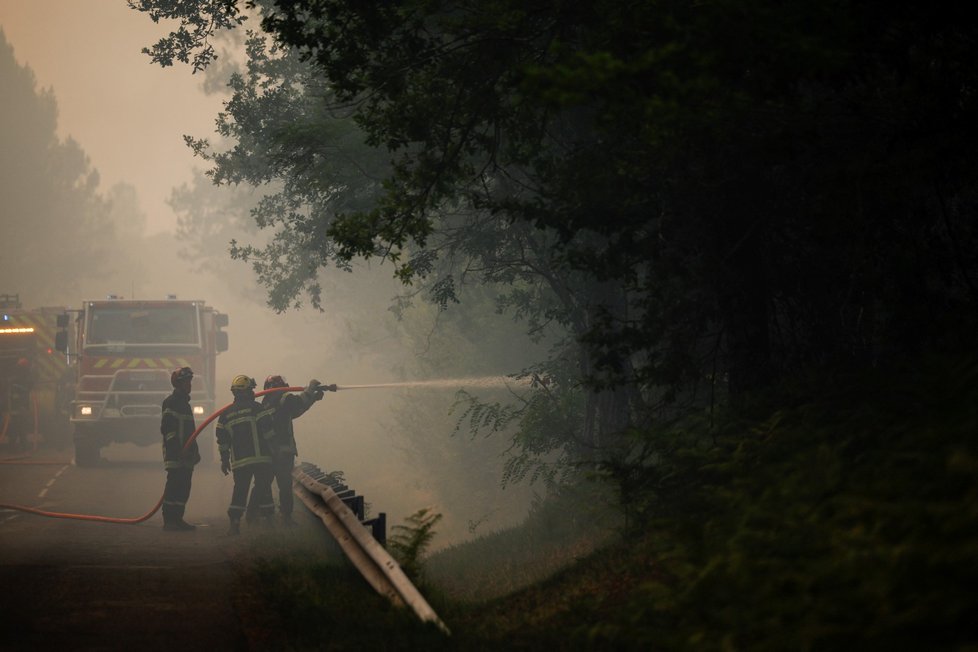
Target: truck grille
<point x="140" y="411"/>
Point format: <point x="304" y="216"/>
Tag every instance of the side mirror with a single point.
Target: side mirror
<point x="61" y="341"/>
<point x="63" y="320"/>
<point x="220" y="319"/>
<point x="222" y="341"/>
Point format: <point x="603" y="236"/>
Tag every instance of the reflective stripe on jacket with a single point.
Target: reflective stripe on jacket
<point x="176" y="425"/>
<point x="246" y="433"/>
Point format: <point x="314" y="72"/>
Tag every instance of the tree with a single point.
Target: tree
<point x="716" y="162"/>
<point x="310" y="163"/>
<point x="735" y="191"/>
<point x="55" y="233"/>
<point x="285" y="139"/>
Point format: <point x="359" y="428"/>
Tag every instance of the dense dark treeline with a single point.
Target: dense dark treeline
<point x="760" y="188"/>
<point x="725" y="203"/>
<point x="702" y="200"/>
<point x="795" y="180"/>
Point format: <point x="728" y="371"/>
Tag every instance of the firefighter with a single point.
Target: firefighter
<point x="177" y="425"/>
<point x="286" y="407"/>
<point x="245" y="437"/>
<point x="19" y="410"/>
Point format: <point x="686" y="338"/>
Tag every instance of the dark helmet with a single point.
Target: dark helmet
<point x="275" y="381"/>
<point x="180" y="375"/>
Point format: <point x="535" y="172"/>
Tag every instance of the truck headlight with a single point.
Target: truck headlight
<point x="198" y="409"/>
<point x="85" y="410"/>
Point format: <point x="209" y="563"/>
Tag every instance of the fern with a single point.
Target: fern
<point x="408" y="543"/>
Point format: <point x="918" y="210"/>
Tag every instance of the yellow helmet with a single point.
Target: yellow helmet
<point x="243" y="382"/>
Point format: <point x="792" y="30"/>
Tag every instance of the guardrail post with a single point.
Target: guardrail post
<point x="365" y="549"/>
<point x="355" y="503"/>
<point x="378" y="527"/>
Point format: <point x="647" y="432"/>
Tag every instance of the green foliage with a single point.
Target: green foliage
<point x="838" y="514"/>
<point x="703" y="199"/>
<point x="729" y="169"/>
<point x="280" y="133"/>
<point x="408" y="543"/>
<point x="189" y="45"/>
<point x="559" y="530"/>
<point x="469" y="341"/>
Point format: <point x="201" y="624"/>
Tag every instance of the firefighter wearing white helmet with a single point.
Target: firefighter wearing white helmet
<point x="177" y="425"/>
<point x="245" y="436"/>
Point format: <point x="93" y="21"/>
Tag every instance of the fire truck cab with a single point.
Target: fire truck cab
<point x="126" y="352"/>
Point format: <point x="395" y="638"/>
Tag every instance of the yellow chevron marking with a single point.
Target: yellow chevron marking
<point x="101" y="363"/>
<point x="166" y="362"/>
<point x="134" y="362"/>
<point x="117" y="363"/>
<point x="182" y="362"/>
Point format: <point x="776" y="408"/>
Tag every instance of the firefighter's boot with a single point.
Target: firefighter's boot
<point x="251" y="514"/>
<point x="235" y="528"/>
<point x="173" y="519"/>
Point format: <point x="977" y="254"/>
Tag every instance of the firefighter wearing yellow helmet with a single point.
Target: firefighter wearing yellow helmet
<point x="177" y="425"/>
<point x="245" y="436"/>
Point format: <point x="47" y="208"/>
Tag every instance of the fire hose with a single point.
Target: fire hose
<point x="147" y="515"/>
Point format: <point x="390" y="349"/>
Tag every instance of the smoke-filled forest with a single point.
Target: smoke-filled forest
<point x="701" y="278"/>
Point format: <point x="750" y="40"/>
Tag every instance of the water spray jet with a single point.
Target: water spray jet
<point x="444" y="383"/>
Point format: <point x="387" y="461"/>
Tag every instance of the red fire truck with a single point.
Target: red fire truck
<point x="36" y="381"/>
<point x="126" y="350"/>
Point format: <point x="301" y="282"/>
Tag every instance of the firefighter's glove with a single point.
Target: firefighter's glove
<point x="314" y="390"/>
<point x="225" y="465"/>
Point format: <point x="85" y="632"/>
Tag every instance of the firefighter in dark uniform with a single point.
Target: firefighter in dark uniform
<point x="245" y="436"/>
<point x="286" y="408"/>
<point x="19" y="408"/>
<point x="177" y="426"/>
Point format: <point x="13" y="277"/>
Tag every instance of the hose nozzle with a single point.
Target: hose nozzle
<point x="328" y="388"/>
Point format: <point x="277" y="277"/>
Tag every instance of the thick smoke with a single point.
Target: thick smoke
<point x="127" y="247"/>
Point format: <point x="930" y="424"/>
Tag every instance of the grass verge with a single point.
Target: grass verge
<point x="836" y="514"/>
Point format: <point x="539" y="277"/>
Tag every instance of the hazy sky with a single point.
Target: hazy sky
<point x="127" y="114"/>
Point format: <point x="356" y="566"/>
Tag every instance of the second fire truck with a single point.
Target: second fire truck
<point x="36" y="381"/>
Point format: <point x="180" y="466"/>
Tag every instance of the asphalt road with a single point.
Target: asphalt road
<point x="75" y="585"/>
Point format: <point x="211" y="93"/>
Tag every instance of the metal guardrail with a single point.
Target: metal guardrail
<point x="342" y="511"/>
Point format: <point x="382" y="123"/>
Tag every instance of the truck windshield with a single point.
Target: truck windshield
<point x="176" y="325"/>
